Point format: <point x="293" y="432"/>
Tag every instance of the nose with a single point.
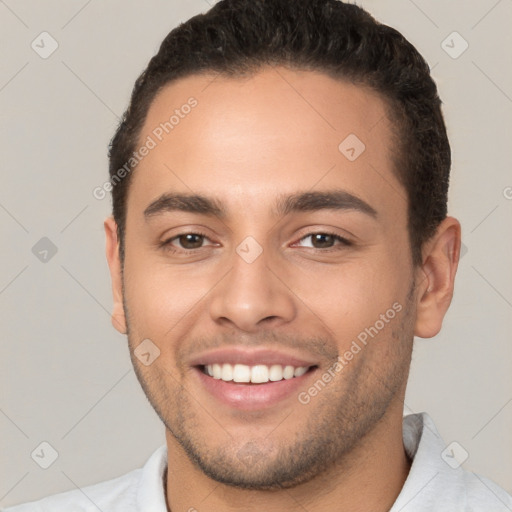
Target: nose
<point x="252" y="295"/>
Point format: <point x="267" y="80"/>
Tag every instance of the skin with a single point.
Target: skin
<point x="247" y="142"/>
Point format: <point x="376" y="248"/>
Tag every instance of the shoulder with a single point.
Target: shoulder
<point x="118" y="494"/>
<point x="143" y="487"/>
<point x="483" y="494"/>
<point x="437" y="481"/>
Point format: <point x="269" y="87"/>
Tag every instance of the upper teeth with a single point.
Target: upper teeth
<point x="256" y="374"/>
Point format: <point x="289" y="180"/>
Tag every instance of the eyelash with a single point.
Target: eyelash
<point x="168" y="247"/>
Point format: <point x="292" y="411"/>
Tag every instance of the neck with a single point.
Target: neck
<point x="369" y="478"/>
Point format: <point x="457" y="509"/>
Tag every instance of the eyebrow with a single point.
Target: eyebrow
<point x="298" y="202"/>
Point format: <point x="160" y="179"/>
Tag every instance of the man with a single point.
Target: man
<point x="279" y="236"/>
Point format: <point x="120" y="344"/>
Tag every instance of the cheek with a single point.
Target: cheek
<point x="351" y="299"/>
<point x="160" y="299"/>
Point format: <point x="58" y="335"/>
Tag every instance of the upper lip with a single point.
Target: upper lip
<point x="249" y="357"/>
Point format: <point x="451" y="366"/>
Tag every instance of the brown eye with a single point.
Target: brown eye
<point x="184" y="243"/>
<point x="190" y="240"/>
<point x="324" y="241"/>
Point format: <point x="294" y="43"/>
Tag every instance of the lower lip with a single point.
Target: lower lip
<point x="250" y="397"/>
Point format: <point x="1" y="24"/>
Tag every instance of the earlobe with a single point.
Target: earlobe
<point x="436" y="278"/>
<point x="114" y="264"/>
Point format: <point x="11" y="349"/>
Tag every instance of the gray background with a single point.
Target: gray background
<point x="66" y="376"/>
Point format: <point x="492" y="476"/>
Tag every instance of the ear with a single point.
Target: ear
<point x="114" y="264"/>
<point x="436" y="277"/>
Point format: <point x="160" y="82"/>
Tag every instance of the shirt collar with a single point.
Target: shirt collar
<point x="431" y="484"/>
<point x="151" y="487"/>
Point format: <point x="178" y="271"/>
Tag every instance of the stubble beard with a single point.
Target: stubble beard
<point x="339" y="420"/>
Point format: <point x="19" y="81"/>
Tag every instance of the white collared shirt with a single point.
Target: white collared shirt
<point x="435" y="483"/>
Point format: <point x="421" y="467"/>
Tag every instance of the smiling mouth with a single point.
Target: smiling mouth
<point x="256" y="374"/>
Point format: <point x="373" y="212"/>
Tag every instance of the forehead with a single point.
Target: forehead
<point x="275" y="132"/>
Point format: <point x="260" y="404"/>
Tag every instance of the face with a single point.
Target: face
<point x="265" y="243"/>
